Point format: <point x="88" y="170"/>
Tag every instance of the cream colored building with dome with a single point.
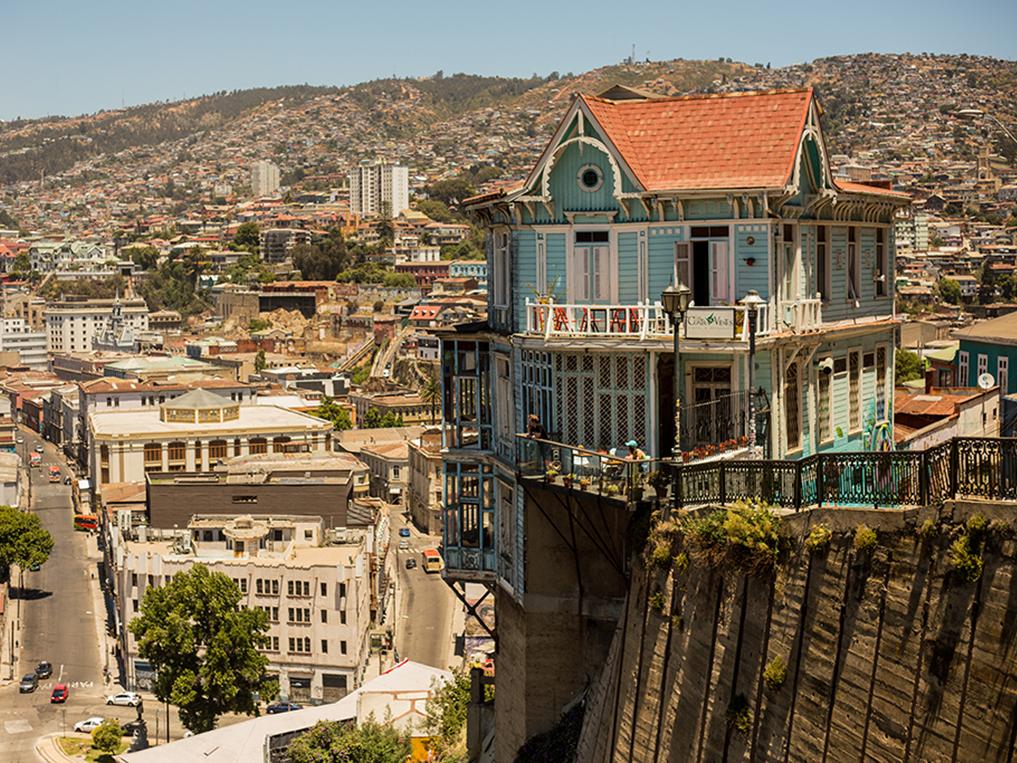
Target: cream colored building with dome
<point x="193" y="432"/>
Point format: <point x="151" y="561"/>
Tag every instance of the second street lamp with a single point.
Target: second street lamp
<point x="751" y="302"/>
<point x="676" y="301"/>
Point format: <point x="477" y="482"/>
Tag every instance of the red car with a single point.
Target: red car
<point x="60" y="693"/>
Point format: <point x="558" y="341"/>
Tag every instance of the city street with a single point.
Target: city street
<point x="427" y="607"/>
<point x="59" y="623"/>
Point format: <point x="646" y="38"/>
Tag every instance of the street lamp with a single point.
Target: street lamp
<point x="751" y="301"/>
<point x="676" y="300"/>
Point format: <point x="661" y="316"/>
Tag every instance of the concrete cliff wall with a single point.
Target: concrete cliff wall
<point x="890" y="654"/>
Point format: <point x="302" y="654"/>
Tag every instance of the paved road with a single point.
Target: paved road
<point x="59" y="623"/>
<point x="424" y="631"/>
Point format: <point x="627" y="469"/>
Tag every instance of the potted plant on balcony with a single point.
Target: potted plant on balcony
<point x="659" y="481"/>
<point x="552" y="472"/>
<point x="743" y="440"/>
<point x="584" y="483"/>
<point x="567" y="480"/>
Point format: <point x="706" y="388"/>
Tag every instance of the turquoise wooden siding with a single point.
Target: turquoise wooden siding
<point x="807" y="263"/>
<point x="992" y="352"/>
<point x="556" y="246"/>
<point x="628" y="267"/>
<point x="764" y="364"/>
<point x="564" y="185"/>
<point x="707" y="209"/>
<point x="838" y="308"/>
<point x="524" y="272"/>
<point x="753" y="276"/>
<point x="661" y="258"/>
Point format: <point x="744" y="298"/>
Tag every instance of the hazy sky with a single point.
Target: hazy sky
<point x="74" y="56"/>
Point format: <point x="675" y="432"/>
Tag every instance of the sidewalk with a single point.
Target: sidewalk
<point x="46" y="747"/>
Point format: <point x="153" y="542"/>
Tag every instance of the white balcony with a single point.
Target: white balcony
<point x="800" y="316"/>
<point x="640" y="321"/>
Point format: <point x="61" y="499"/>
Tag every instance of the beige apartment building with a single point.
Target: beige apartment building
<point x="313" y="584"/>
<point x="192" y="433"/>
<point x="73" y="323"/>
<point x="423" y="494"/>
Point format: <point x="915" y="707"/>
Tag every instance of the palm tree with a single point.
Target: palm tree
<point x="430" y="393"/>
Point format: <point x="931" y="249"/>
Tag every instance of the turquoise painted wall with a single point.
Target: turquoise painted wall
<point x="755" y="276"/>
<point x="524" y="273"/>
<point x="628" y="267"/>
<point x="992" y="352"/>
<point x="661" y="241"/>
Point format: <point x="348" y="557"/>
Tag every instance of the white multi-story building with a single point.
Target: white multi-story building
<point x="379" y="189"/>
<point x="31" y="346"/>
<point x="314" y="586"/>
<point x="73" y="323"/>
<point x="264" y="179"/>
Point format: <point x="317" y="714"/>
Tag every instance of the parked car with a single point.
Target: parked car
<point x="411" y="564"/>
<point x="60" y="693"/>
<point x="124" y="699"/>
<point x="44" y="669"/>
<point x="404" y="532"/>
<point x="29" y="683"/>
<point x="282" y="707"/>
<point x="38" y="448"/>
<point x="88" y="725"/>
<point x="19" y="439"/>
<point x="403" y="544"/>
<point x="67" y="480"/>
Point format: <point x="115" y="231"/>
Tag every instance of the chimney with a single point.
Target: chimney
<point x="930" y="374"/>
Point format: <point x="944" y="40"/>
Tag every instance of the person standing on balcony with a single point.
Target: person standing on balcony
<point x="534" y="429"/>
<point x="635" y="452"/>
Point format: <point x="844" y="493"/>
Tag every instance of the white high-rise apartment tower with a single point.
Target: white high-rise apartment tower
<point x="378" y="188"/>
<point x="264" y="179"/>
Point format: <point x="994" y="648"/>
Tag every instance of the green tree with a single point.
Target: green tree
<point x="375" y="419"/>
<point x="22" y="265"/>
<point x="107" y="735"/>
<point x="258" y="324"/>
<point x="145" y="257"/>
<point x="330" y="410"/>
<point x="907" y="367"/>
<point x="203" y="646"/>
<point x="322" y="260"/>
<point x="246" y="237"/>
<point x="987" y="285"/>
<point x="23" y="539"/>
<point x="446" y="716"/>
<point x="1008" y="288"/>
<point x="249" y="269"/>
<point x="452" y="190"/>
<point x="338" y="742"/>
<point x="438" y="211"/>
<point x="430" y="393"/>
<point x="259" y="362"/>
<point x="950" y="291"/>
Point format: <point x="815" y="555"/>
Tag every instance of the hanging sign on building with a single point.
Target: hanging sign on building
<point x="712" y="323"/>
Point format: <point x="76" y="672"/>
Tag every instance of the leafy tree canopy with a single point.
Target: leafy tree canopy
<point x="446" y="716"/>
<point x="247" y="236"/>
<point x="203" y="646"/>
<point x="322" y="260"/>
<point x="330" y="410"/>
<point x="23" y="539"/>
<point x="908" y="367"/>
<point x="145" y="257"/>
<point x="107" y="735"/>
<point x="338" y="742"/>
<point x="950" y="291"/>
<point x="375" y="419"/>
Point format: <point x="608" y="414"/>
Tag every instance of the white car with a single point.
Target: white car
<point x="88" y="725"/>
<point x="124" y="699"/>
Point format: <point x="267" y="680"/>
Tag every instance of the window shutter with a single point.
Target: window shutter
<point x="718" y="255"/>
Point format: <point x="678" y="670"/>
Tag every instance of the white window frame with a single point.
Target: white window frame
<point x="823" y="254"/>
<point x="1003" y="373"/>
<point x="853" y="281"/>
<point x="581" y="270"/>
<point x="824" y="424"/>
<point x="541" y="262"/>
<point x="882" y="286"/>
<point x="790" y="267"/>
<point x="983" y="363"/>
<point x="501" y="260"/>
<point x="964" y="368"/>
<point x="793" y="447"/>
<point x="682" y="254"/>
<point x="855" y="417"/>
<point x="720" y="272"/>
<point x="642" y="269"/>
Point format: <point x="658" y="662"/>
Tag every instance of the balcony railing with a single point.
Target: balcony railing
<point x="715" y="426"/>
<point x="640" y="321"/>
<point x="801" y="316"/>
<point x="964" y="467"/>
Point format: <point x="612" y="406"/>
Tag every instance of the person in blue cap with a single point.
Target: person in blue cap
<point x="635" y="453"/>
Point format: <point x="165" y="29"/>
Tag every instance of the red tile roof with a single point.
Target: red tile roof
<point x="735" y="140"/>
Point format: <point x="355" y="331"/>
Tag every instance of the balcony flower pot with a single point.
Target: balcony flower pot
<point x="584" y="483"/>
<point x="567" y="480"/>
<point x="743" y="440"/>
<point x="687" y="455"/>
<point x="550" y="475"/>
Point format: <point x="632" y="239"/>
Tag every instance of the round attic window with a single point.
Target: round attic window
<point x="590" y="177"/>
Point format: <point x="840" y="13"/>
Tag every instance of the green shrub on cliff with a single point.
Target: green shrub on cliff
<point x="775" y="673"/>
<point x="818" y="538"/>
<point x="865" y="538"/>
<point x="965" y="555"/>
<point x="744" y="535"/>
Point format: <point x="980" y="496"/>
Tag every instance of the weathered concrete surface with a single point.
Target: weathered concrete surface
<point x="891" y="657"/>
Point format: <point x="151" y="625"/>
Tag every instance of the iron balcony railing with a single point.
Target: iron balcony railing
<point x="964" y="467"/>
